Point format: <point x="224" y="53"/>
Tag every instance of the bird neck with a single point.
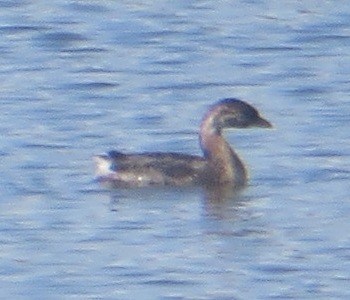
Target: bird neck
<point x="221" y="158"/>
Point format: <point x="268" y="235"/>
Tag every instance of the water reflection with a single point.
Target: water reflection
<point x="222" y="202"/>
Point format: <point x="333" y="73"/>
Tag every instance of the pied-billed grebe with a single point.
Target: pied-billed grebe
<point x="220" y="165"/>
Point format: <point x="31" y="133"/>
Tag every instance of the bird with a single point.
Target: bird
<point x="219" y="165"/>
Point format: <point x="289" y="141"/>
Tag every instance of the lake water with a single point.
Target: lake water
<point x="82" y="77"/>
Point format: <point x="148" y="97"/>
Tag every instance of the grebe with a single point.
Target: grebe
<point x="220" y="165"/>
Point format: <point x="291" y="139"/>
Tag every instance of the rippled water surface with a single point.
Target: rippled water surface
<point x="81" y="77"/>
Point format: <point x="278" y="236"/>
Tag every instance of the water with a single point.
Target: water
<point x="82" y="77"/>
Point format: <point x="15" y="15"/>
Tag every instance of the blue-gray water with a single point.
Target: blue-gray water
<point x="81" y="77"/>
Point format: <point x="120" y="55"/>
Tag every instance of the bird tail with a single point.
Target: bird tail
<point x="103" y="165"/>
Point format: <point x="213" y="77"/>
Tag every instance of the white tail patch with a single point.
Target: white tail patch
<point x="102" y="165"/>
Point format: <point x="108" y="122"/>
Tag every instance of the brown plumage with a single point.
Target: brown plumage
<point x="220" y="165"/>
